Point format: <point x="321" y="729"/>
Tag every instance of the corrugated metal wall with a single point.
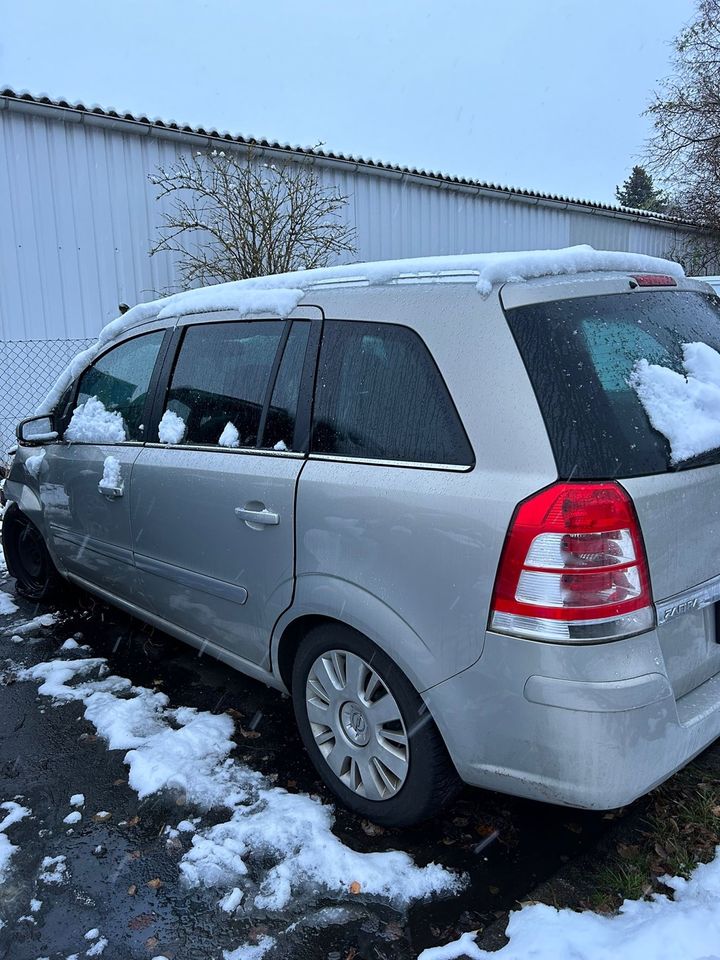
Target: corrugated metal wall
<point x="78" y="213"/>
<point x="78" y="216"/>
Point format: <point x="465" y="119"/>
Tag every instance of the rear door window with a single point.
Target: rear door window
<point x="219" y="383"/>
<point x="380" y="396"/>
<point x="580" y="354"/>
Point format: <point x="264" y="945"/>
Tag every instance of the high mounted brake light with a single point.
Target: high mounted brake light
<point x="573" y="568"/>
<point x="653" y="280"/>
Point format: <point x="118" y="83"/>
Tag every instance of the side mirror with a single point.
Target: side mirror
<point x="34" y="431"/>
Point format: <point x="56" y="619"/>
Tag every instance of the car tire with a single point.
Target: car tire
<point x="368" y="732"/>
<point x="28" y="559"/>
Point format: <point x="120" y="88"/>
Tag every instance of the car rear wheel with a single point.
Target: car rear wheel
<point x="28" y="560"/>
<point x="367" y="731"/>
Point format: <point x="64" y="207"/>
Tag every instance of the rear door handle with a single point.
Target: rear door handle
<point x="257" y="515"/>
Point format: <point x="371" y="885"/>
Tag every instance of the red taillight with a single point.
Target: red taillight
<point x="653" y="280"/>
<point x="573" y="567"/>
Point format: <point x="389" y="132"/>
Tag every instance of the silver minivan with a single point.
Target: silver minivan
<point x="422" y="497"/>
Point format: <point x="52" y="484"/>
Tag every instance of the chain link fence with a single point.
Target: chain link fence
<point x="28" y="368"/>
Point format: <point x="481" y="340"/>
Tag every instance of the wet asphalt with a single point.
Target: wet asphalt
<point x="123" y="874"/>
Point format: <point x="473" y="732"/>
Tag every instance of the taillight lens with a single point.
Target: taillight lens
<point x="573" y="567"/>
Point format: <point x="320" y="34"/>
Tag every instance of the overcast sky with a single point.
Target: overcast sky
<point x="546" y="95"/>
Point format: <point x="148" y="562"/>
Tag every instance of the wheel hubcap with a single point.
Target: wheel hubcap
<point x="357" y="725"/>
<point x="354" y="724"/>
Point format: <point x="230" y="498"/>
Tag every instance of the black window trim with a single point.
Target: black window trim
<point x="409" y="464"/>
<point x="74" y="388"/>
<point x="308" y="378"/>
<point x="304" y="397"/>
<point x="272" y="380"/>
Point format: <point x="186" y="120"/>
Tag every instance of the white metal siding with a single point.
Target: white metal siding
<point x="78" y="215"/>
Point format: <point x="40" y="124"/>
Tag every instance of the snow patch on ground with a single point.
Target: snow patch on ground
<point x="74" y="817"/>
<point x="112" y="475"/>
<point x="92" y="423"/>
<point x="35" y="625"/>
<point x="295" y="831"/>
<point x="7" y="604"/>
<point x="230" y="436"/>
<point x="15" y="813"/>
<point x="77" y="799"/>
<point x="53" y="870"/>
<point x="231" y="901"/>
<point x="250" y="951"/>
<point x="97" y="948"/>
<point x="684" y="408"/>
<point x="171" y="428"/>
<point x="687" y="926"/>
<point x="288" y="836"/>
<point x="465" y="946"/>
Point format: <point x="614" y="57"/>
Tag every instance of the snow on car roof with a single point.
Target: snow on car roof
<point x="490" y="269"/>
<point x="279" y="294"/>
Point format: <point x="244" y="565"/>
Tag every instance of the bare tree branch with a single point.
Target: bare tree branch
<point x="233" y="216"/>
<point x="684" y="150"/>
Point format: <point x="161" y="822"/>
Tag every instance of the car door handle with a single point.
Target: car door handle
<point x="258" y="515"/>
<point x="112" y="493"/>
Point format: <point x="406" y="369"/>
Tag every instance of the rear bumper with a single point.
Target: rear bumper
<point x="593" y="727"/>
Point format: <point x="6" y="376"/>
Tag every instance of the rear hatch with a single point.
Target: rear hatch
<point x="581" y="341"/>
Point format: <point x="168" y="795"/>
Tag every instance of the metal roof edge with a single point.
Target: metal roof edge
<point x="78" y="112"/>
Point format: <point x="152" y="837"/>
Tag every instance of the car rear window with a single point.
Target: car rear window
<point x="579" y="354"/>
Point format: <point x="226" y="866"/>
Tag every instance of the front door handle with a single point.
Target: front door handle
<point x="112" y="493"/>
<point x="257" y="514"/>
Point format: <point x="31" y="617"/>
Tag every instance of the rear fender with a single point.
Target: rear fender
<point x="346" y="603"/>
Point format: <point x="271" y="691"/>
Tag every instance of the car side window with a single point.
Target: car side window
<point x="111" y="395"/>
<point x="218" y="386"/>
<point x="282" y="412"/>
<point x="380" y="396"/>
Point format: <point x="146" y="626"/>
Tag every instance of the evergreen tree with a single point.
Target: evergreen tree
<point x="640" y="192"/>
